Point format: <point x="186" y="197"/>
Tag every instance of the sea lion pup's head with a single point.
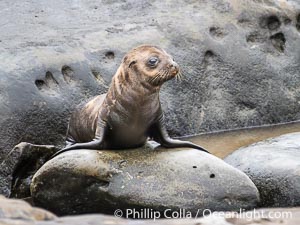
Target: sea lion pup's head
<point x="151" y="64"/>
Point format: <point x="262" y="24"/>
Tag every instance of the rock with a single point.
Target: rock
<point x="20" y="210"/>
<point x="17" y="212"/>
<point x="274" y="166"/>
<point x="239" y="59"/>
<point x="89" y="181"/>
<point x="18" y="168"/>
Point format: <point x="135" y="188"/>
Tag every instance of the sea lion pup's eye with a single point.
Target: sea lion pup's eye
<point x="152" y="62"/>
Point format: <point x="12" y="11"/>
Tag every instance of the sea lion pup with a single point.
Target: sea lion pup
<point x="130" y="112"/>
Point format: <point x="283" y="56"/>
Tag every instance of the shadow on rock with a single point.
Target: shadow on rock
<point x="20" y="165"/>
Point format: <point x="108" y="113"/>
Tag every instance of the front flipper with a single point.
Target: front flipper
<point x="159" y="133"/>
<point x="96" y="144"/>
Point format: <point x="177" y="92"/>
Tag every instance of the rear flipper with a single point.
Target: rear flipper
<point x="159" y="133"/>
<point x="172" y="143"/>
<point x="96" y="144"/>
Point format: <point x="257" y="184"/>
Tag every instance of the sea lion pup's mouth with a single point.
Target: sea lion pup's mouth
<point x="167" y="73"/>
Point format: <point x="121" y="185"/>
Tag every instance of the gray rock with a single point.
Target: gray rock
<point x="89" y="181"/>
<point x="19" y="166"/>
<point x="13" y="209"/>
<point x="274" y="166"/>
<point x="240" y="60"/>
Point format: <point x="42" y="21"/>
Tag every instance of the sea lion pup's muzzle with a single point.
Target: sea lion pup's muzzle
<point x="174" y="69"/>
<point x="161" y="70"/>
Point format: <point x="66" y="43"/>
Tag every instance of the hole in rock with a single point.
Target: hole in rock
<point x="39" y="84"/>
<point x="67" y="73"/>
<point x="278" y="41"/>
<point x="273" y="23"/>
<point x="110" y="55"/>
<point x="255" y="37"/>
<point x="216" y="32"/>
<point x="208" y="54"/>
<point x="96" y="74"/>
<point x="298" y="22"/>
<point x="50" y="80"/>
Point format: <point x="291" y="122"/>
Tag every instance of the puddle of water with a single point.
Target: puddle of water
<point x="223" y="143"/>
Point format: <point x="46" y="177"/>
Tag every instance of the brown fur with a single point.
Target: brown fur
<point x="130" y="112"/>
<point x="131" y="99"/>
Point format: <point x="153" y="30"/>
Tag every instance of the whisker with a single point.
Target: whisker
<point x="152" y="79"/>
<point x="156" y="77"/>
<point x="180" y="75"/>
<point x="166" y="75"/>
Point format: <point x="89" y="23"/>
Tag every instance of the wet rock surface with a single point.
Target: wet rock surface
<point x="274" y="166"/>
<point x="239" y="58"/>
<point x="89" y="181"/>
<point x="19" y="166"/>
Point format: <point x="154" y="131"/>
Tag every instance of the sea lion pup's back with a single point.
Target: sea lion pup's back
<point x="83" y="121"/>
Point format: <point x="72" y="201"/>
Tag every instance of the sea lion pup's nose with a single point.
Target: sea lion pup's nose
<point x="174" y="68"/>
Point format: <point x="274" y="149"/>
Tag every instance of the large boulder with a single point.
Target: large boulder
<point x="239" y="59"/>
<point x="274" y="166"/>
<point x="89" y="181"/>
<point x="20" y="210"/>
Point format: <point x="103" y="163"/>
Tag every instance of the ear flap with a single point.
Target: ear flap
<point x="131" y="63"/>
<point x="125" y="59"/>
<point x="127" y="62"/>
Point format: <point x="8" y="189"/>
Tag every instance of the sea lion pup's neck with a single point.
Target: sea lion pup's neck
<point x="132" y="87"/>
